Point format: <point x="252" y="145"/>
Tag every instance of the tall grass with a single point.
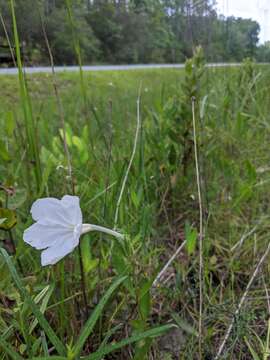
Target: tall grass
<point x="39" y="346"/>
<point x="151" y="277"/>
<point x="29" y="121"/>
<point x="77" y="49"/>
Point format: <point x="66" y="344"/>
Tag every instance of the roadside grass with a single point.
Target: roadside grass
<point x="158" y="212"/>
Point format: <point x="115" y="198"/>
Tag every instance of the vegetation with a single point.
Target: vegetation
<point x="158" y="211"/>
<point x="176" y="161"/>
<point x="135" y="31"/>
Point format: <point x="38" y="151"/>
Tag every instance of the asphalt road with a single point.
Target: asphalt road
<point x="47" y="69"/>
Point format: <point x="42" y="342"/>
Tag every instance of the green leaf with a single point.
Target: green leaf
<point x="10" y="219"/>
<point x="191" y="238"/>
<point x="82" y="149"/>
<point x="78" y="143"/>
<point x="155" y="332"/>
<point x="88" y="327"/>
<point x="59" y="346"/>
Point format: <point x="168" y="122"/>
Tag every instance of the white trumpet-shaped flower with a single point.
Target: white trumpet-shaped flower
<point x="58" y="228"/>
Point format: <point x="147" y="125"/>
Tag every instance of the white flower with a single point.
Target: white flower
<point x="58" y="228"/>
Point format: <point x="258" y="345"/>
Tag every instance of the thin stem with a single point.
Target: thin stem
<point x="12" y="242"/>
<point x="131" y="159"/>
<point x="15" y="250"/>
<point x="83" y="285"/>
<point x="89" y="227"/>
<point x="241" y="302"/>
<point x="201" y="226"/>
<point x="164" y="269"/>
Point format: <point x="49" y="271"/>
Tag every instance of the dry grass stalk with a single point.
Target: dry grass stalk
<point x="198" y="179"/>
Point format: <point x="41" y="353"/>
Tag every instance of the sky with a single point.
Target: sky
<point x="258" y="10"/>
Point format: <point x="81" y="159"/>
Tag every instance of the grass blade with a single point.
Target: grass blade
<point x="88" y="327"/>
<point x="77" y="49"/>
<point x="9" y="350"/>
<point x="27" y="106"/>
<point x="98" y="355"/>
<point x="253" y="352"/>
<point x="48" y="292"/>
<point x="44" y="343"/>
<point x="39" y="316"/>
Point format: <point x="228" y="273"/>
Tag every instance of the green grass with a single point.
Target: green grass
<point x="158" y="211"/>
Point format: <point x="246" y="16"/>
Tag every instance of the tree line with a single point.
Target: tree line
<point x="129" y="31"/>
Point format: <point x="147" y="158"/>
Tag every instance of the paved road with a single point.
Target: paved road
<point x="46" y="69"/>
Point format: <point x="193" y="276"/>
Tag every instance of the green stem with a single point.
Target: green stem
<point x="83" y="285"/>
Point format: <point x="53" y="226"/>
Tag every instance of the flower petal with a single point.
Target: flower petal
<point x="42" y="236"/>
<point x="55" y="253"/>
<point x="71" y="206"/>
<point x="48" y="210"/>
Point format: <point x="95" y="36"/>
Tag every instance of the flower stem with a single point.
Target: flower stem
<point x="83" y="285"/>
<point x="90" y="227"/>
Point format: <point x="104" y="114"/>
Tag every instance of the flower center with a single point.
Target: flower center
<point x="77" y="229"/>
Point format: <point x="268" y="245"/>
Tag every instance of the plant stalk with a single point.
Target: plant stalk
<point x="90" y="227"/>
<point x="83" y="284"/>
<point x="201" y="264"/>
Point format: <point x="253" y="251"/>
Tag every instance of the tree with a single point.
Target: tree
<point x="131" y="31"/>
